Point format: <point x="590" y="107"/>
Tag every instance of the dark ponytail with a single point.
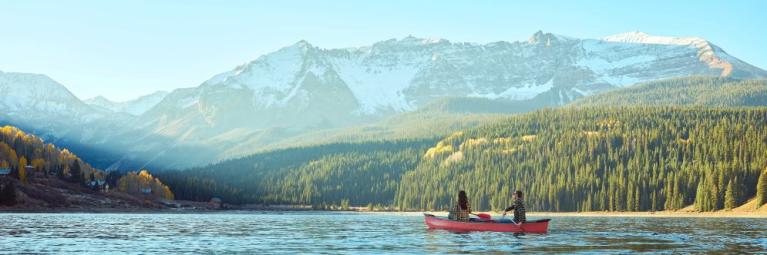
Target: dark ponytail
<point x="463" y="201"/>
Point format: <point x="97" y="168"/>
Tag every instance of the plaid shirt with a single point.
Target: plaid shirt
<point x="458" y="214"/>
<point x="519" y="211"/>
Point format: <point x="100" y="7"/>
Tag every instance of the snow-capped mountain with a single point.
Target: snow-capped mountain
<point x="134" y="107"/>
<point x="706" y="52"/>
<point x="401" y="75"/>
<point x="303" y="88"/>
<point x="46" y="108"/>
<point x="38" y="103"/>
<point x="25" y="95"/>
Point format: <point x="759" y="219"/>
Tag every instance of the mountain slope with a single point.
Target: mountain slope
<point x="302" y="88"/>
<point x="106" y="139"/>
<point x="302" y="94"/>
<point x="402" y="75"/>
<point x="36" y="97"/>
<point x="708" y="91"/>
<point x="707" y="53"/>
<point x="134" y="107"/>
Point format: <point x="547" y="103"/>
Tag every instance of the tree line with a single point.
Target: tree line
<point x="358" y="173"/>
<point x="708" y="91"/>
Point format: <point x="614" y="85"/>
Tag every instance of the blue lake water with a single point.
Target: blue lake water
<point x="361" y="233"/>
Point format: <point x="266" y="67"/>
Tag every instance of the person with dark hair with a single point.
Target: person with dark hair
<point x="518" y="207"/>
<point x="462" y="210"/>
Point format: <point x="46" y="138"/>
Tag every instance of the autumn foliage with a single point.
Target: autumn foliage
<point x="144" y="183"/>
<point x="28" y="156"/>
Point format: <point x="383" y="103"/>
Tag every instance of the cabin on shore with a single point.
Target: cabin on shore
<point x="216" y="202"/>
<point x="99" y="185"/>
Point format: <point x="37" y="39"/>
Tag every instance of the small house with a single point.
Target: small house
<point x="99" y="184"/>
<point x="216" y="202"/>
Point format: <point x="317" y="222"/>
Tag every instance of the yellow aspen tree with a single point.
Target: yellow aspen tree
<point x="23" y="170"/>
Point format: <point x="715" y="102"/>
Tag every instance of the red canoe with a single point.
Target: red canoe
<point x="537" y="226"/>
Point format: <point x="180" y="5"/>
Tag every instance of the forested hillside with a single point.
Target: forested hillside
<point x="708" y="91"/>
<point x="570" y="159"/>
<point x="585" y="159"/>
<point x="617" y="151"/>
<point x="38" y="169"/>
<point x="19" y="149"/>
<point x="358" y="173"/>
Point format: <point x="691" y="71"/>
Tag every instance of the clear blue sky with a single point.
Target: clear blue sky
<point x="123" y="49"/>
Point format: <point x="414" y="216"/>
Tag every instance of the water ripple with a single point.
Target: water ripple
<point x="354" y="233"/>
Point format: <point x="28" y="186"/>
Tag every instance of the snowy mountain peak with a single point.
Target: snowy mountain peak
<point x="434" y="40"/>
<point x="546" y="38"/>
<point x="33" y="82"/>
<point x="641" y="37"/>
<point x="707" y="53"/>
<point x="303" y="45"/>
<point x="30" y="96"/>
<point x="410" y="41"/>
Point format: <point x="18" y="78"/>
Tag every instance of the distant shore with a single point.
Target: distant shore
<point x="660" y="214"/>
<point x="663" y="214"/>
<point x="747" y="210"/>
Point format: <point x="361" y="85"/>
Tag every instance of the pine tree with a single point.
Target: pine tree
<point x="76" y="172"/>
<point x="761" y="189"/>
<point x="729" y="196"/>
<point x="701" y="196"/>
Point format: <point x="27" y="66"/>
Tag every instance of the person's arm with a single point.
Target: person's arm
<point x="509" y="209"/>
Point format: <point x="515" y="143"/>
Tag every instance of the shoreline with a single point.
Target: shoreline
<point x="658" y="214"/>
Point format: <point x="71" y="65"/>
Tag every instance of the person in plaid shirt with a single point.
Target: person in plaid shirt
<point x="518" y="208"/>
<point x="462" y="210"/>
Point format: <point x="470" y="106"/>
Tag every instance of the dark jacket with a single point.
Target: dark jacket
<point x="519" y="211"/>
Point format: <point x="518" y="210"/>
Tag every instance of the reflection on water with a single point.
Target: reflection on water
<point x="354" y="233"/>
